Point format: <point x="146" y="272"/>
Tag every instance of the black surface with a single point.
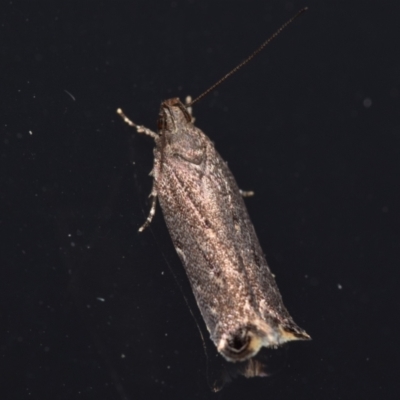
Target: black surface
<point x="311" y="125"/>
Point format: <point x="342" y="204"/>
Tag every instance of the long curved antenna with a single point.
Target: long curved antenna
<point x="272" y="37"/>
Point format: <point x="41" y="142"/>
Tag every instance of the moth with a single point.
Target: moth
<point x="212" y="233"/>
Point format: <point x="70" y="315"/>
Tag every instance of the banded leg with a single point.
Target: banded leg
<point x="246" y="193"/>
<point x="139" y="128"/>
<point x="152" y="211"/>
<point x="189" y="109"/>
<point x="153" y="194"/>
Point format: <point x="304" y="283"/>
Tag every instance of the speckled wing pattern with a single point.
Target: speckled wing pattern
<point x="216" y="241"/>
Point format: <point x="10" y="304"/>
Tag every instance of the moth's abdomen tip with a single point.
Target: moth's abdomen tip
<point x="237" y="348"/>
<point x="244" y="343"/>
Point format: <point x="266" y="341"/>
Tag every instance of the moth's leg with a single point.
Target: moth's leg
<point x="153" y="194"/>
<point x="189" y="109"/>
<point x="139" y="128"/>
<point x="246" y="193"/>
<point x="152" y="211"/>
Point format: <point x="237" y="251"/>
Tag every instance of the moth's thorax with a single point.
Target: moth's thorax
<point x="178" y="137"/>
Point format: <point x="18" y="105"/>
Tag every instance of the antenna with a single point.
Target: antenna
<point x="272" y="37"/>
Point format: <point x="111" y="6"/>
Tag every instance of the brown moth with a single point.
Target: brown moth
<point x="212" y="233"/>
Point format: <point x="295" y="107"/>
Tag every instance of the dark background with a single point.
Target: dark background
<point x="90" y="309"/>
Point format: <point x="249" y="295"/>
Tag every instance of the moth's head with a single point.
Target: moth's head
<point x="178" y="136"/>
<point x="246" y="341"/>
<point x="173" y="115"/>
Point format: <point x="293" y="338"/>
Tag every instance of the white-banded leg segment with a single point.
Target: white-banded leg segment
<point x="152" y="211"/>
<point x="139" y="128"/>
<point x="189" y="109"/>
<point x="246" y="193"/>
<point x="153" y="194"/>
